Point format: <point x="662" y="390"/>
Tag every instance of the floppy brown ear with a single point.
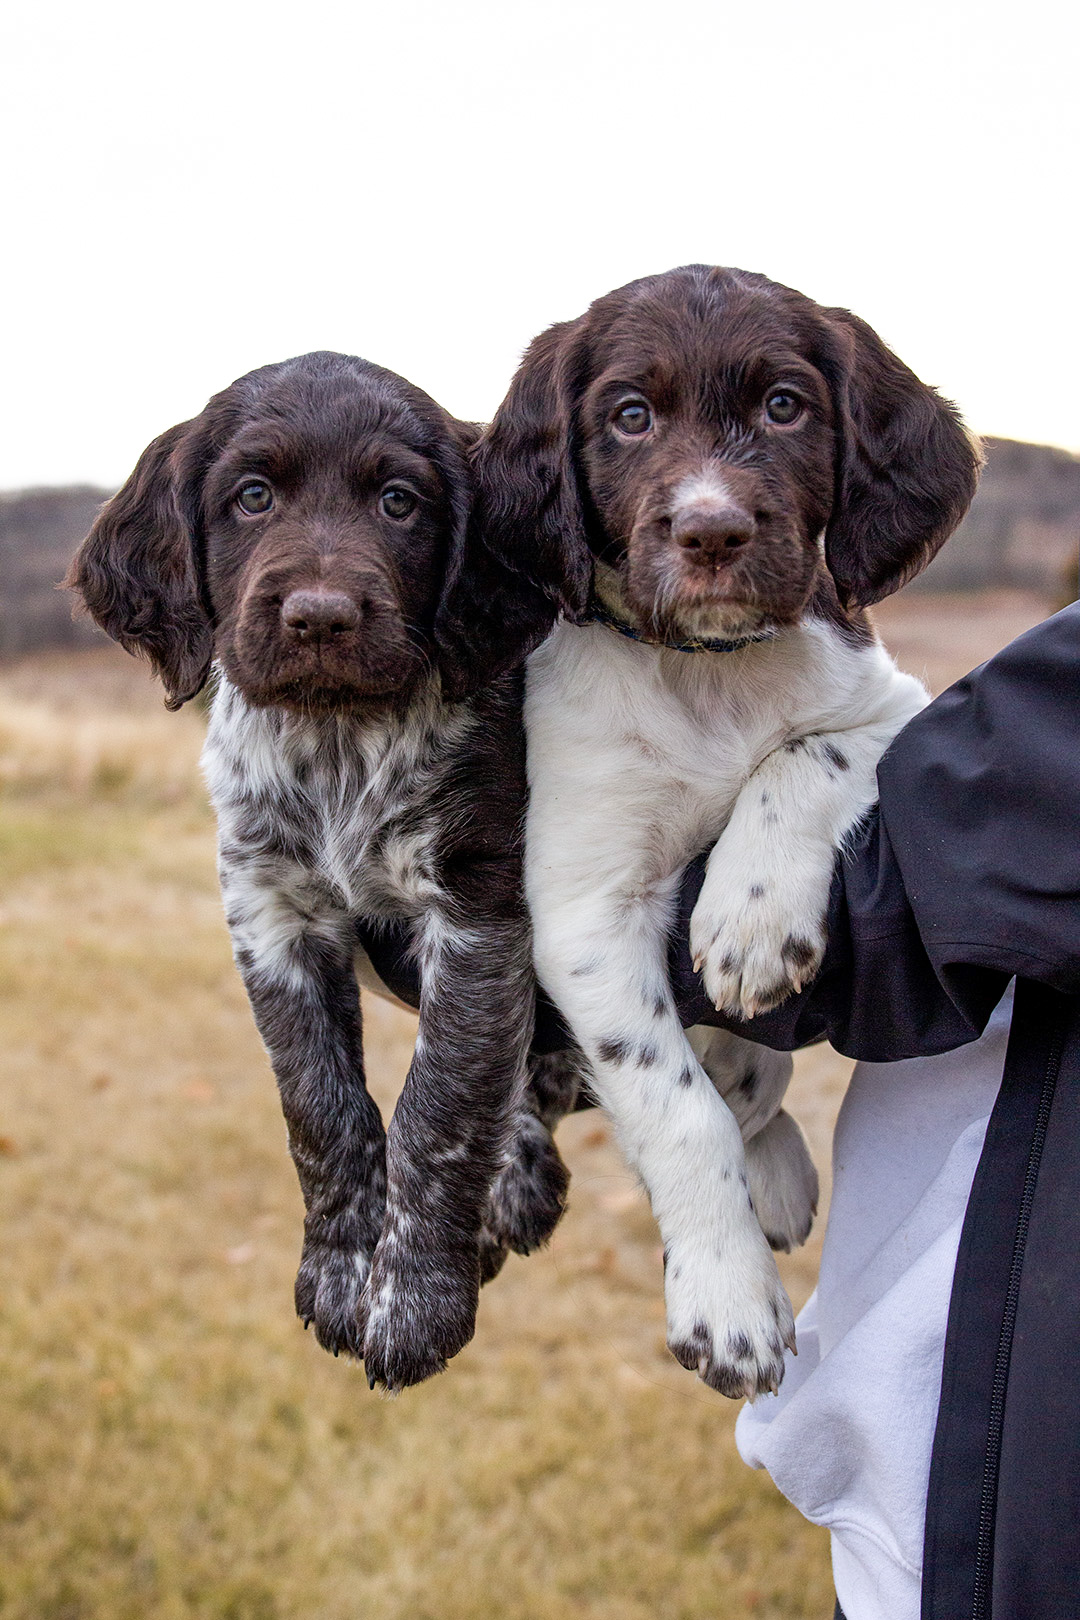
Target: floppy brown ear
<point x="523" y="558"/>
<point x="906" y="473"/>
<point x="135" y="571"/>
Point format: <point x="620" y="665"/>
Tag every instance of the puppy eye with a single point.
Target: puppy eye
<point x="783" y="408"/>
<point x="634" y="419"/>
<point x="255" y="498"/>
<point x="397" y="503"/>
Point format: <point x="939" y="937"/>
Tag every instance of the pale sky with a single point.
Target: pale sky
<point x="196" y="189"/>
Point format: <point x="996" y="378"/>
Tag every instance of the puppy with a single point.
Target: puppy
<point x="709" y="477"/>
<point x="296" y="535"/>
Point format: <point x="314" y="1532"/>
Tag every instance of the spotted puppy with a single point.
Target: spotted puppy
<point x="708" y="476"/>
<point x="297" y="535"/>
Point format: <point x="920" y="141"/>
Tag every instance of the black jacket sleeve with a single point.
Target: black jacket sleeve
<point x="967" y="874"/>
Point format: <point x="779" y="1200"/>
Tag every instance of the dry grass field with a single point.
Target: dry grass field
<point x="172" y="1445"/>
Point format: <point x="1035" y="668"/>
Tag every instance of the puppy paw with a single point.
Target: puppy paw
<point x="329" y="1287"/>
<point x="528" y="1196"/>
<point x="755" y="944"/>
<point x="783" y="1182"/>
<point x="419" y="1310"/>
<point x="493" y="1255"/>
<point x="729" y="1323"/>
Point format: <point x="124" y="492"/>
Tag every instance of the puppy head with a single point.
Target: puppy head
<point x="708" y="449"/>
<point x="298" y="530"/>
<point x="702" y="432"/>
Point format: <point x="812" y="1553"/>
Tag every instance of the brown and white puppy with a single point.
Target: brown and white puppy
<point x="297" y="534"/>
<point x="708" y="476"/>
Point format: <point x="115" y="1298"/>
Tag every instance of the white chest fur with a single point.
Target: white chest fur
<point x="645" y="750"/>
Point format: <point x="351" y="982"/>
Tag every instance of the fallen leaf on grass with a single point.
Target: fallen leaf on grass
<point x="617" y="1202"/>
<point x="198" y="1090"/>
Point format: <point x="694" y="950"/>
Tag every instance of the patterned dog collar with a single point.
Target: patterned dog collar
<point x="600" y="613"/>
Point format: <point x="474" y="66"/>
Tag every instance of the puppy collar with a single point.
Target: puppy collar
<point x="695" y="644"/>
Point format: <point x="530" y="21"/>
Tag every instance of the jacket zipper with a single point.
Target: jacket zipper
<point x="984" y="1549"/>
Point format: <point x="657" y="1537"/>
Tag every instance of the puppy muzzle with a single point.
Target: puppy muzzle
<point x="322" y="644"/>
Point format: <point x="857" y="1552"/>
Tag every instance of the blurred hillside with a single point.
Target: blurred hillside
<point x="39" y="530"/>
<point x="1023" y="532"/>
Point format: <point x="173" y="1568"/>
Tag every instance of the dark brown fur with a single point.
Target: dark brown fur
<point x="352" y="800"/>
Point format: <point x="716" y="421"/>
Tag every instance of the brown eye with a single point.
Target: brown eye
<point x="783" y="408"/>
<point x="397" y="503"/>
<point x="634" y="419"/>
<point x="255" y="498"/>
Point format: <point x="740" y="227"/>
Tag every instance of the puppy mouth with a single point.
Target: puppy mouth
<point x="311" y="697"/>
<point x="315" y="679"/>
<point x="675" y="602"/>
<point x="717" y="621"/>
<point x="721" y="620"/>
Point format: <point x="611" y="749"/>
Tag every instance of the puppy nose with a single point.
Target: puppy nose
<point x="316" y="615"/>
<point x="717" y="533"/>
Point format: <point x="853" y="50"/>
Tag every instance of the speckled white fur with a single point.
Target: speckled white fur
<point x="639" y="757"/>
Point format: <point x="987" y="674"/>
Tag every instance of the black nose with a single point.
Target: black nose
<point x="317" y="615"/>
<point x="715" y="533"/>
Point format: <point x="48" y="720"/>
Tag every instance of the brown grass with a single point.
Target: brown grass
<point x="172" y="1445"/>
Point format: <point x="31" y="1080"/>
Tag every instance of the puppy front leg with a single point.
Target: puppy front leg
<point x="297" y="969"/>
<point x="728" y="1315"/>
<point x="447" y="1142"/>
<point x="758" y="929"/>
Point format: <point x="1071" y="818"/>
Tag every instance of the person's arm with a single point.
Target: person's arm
<point x="967" y="874"/>
<point x="878" y="995"/>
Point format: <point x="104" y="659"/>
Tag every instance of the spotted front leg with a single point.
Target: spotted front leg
<point x="729" y="1318"/>
<point x="447" y="1142"/>
<point x="295" y="955"/>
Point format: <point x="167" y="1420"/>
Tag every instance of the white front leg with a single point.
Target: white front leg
<point x="758" y="929"/>
<point x="602" y="961"/>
